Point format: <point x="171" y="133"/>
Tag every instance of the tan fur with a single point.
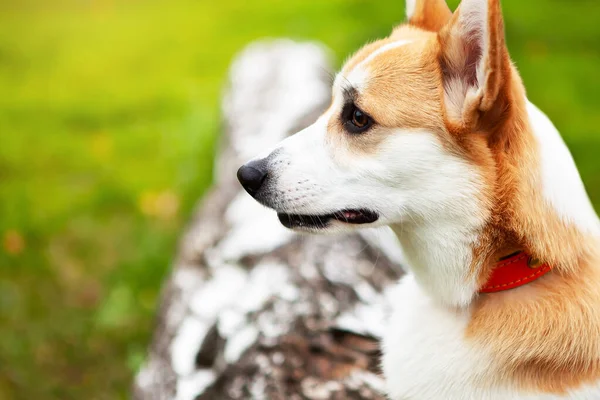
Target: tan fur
<point x="398" y="93"/>
<point x="430" y="15"/>
<point x="399" y="90"/>
<point x="544" y="336"/>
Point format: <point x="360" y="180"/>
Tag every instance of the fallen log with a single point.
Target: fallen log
<point x="252" y="310"/>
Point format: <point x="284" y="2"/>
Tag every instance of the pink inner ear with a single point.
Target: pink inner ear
<point x="472" y="32"/>
<point x="469" y="30"/>
<point x="474" y="52"/>
<point x="474" y="56"/>
<point x="463" y="65"/>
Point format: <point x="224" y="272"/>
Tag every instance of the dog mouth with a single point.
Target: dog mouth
<point x="350" y="216"/>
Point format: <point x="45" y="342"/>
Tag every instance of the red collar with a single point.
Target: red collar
<point x="514" y="271"/>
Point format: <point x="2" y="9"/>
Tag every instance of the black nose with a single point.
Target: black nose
<point x="252" y="175"/>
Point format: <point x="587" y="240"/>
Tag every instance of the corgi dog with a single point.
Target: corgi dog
<point x="430" y="132"/>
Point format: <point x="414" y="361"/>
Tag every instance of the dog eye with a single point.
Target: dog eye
<point x="359" y="119"/>
<point x="355" y="120"/>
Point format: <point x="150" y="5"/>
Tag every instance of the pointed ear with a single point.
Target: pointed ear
<point x="430" y="15"/>
<point x="475" y="62"/>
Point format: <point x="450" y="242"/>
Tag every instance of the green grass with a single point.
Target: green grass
<point x="108" y="115"/>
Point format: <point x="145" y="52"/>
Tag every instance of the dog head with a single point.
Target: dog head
<point x="406" y="137"/>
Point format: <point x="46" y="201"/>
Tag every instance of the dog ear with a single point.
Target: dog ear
<point x="430" y="15"/>
<point x="475" y="62"/>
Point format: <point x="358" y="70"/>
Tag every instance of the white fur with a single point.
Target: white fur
<point x="473" y="19"/>
<point x="475" y="23"/>
<point x="428" y="195"/>
<point x="437" y="251"/>
<point x="426" y="357"/>
<point x="383" y="49"/>
<point x="410" y="8"/>
<point x="424" y="352"/>
<point x="359" y="75"/>
<point x="562" y="185"/>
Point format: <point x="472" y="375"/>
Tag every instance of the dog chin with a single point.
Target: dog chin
<point x="333" y="228"/>
<point x="334" y="222"/>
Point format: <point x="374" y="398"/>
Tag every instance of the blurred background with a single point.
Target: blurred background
<point x="109" y="111"/>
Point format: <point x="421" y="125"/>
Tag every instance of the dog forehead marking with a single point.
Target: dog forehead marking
<point x="383" y="49"/>
<point x="358" y="75"/>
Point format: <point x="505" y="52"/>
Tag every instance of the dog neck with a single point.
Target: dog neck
<point x="539" y="205"/>
<point x="439" y="255"/>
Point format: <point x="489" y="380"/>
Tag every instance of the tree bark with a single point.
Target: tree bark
<point x="251" y="310"/>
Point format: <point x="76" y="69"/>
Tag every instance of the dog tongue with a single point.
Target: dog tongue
<point x="352" y="214"/>
<point x="359" y="216"/>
